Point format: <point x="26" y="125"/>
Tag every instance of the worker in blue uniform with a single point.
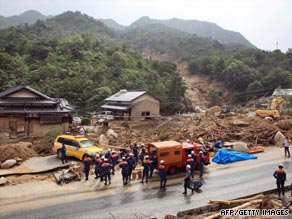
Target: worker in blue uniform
<point x="146" y="168"/>
<point x="86" y="162"/>
<point x="106" y="170"/>
<point x="124" y="169"/>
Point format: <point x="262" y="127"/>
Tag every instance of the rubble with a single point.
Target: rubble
<point x="8" y="164"/>
<point x="279" y="139"/>
<point x="67" y="175"/>
<point x="111" y="134"/>
<point x="260" y="201"/>
<point x="3" y="180"/>
<point x="240" y="146"/>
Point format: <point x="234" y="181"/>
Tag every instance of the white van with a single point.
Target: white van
<point x="108" y="115"/>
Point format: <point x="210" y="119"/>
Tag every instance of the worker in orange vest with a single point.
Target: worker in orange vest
<point x="162" y="174"/>
<point x="146" y="168"/>
<point x="280" y="175"/>
<point x="124" y="167"/>
<point x="87" y="162"/>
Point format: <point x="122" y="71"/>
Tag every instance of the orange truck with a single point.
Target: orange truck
<point x="175" y="154"/>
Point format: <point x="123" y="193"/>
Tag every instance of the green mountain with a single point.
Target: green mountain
<point x="113" y="24"/>
<point x="76" y="57"/>
<point x="200" y="28"/>
<point x="28" y="17"/>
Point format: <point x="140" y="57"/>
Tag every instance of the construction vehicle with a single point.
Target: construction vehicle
<point x="273" y="110"/>
<point x="175" y="154"/>
<point x="218" y="111"/>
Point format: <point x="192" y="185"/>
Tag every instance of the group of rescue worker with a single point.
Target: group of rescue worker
<point x="104" y="166"/>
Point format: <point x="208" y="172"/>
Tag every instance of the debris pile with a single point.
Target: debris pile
<point x="256" y="204"/>
<point x="253" y="131"/>
<point x="67" y="175"/>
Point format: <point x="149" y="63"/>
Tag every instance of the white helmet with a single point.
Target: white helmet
<point x="146" y="156"/>
<point x="162" y="162"/>
<point x="105" y="159"/>
<point x="97" y="155"/>
<point x="192" y="152"/>
<point x="189" y="155"/>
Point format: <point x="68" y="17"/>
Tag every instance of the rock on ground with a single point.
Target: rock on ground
<point x="8" y="163"/>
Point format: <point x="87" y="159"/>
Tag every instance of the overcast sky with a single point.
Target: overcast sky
<point x="265" y="23"/>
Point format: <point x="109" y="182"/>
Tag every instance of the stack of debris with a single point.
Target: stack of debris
<point x="67" y="175"/>
<point x="255" y="206"/>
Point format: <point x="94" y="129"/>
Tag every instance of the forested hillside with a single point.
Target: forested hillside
<point x="199" y="28"/>
<point x="69" y="56"/>
<point x="77" y="57"/>
<point x="28" y="17"/>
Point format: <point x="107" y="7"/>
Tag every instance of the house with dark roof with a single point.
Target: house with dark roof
<point x="134" y="105"/>
<point x="25" y="112"/>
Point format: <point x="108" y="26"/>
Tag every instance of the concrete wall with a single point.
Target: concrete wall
<point x="143" y="104"/>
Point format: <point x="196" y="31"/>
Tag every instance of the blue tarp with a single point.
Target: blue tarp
<point x="224" y="156"/>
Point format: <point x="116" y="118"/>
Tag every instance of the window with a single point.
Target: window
<point x="164" y="154"/>
<point x="75" y="144"/>
<point x="176" y="152"/>
<point x="61" y="140"/>
<point x="146" y="113"/>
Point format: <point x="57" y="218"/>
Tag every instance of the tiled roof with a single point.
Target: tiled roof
<point x="61" y="107"/>
<point x="43" y="104"/>
<point x="33" y="101"/>
<point x="125" y="96"/>
<point x="20" y="87"/>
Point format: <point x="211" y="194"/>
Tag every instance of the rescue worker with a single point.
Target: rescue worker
<point x="162" y="174"/>
<point x="114" y="161"/>
<point x="187" y="180"/>
<point x="108" y="155"/>
<point x="153" y="160"/>
<point x="135" y="150"/>
<point x="146" y="168"/>
<point x="124" y="167"/>
<point x="101" y="174"/>
<point x="142" y="152"/>
<point x="63" y="154"/>
<point x="131" y="165"/>
<point x="201" y="163"/>
<point x="217" y="145"/>
<point x="87" y="162"/>
<point x="280" y="175"/>
<point x="96" y="167"/>
<point x="106" y="171"/>
<point x="194" y="156"/>
<point x="190" y="161"/>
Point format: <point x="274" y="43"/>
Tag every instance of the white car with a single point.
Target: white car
<point x="108" y="115"/>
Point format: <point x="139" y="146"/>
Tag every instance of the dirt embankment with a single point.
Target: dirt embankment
<point x="25" y="149"/>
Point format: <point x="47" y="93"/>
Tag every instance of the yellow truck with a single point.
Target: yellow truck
<point x="273" y="110"/>
<point x="76" y="146"/>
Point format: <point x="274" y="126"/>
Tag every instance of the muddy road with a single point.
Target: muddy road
<point x="91" y="199"/>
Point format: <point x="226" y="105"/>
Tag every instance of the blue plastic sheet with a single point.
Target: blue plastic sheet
<point x="224" y="156"/>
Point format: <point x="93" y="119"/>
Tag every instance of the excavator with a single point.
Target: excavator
<point x="218" y="111"/>
<point x="273" y="110"/>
